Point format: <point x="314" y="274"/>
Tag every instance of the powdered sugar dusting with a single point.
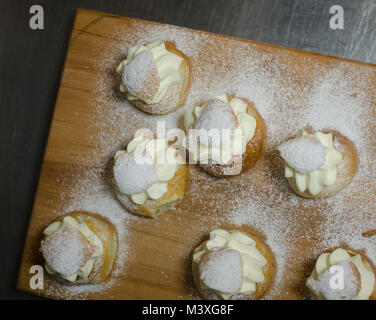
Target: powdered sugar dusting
<point x="289" y="95"/>
<point x="304" y="154"/>
<point x="218" y="115"/>
<point x="351" y="283"/>
<point x="132" y="177"/>
<point x="93" y="193"/>
<point x="66" y="252"/>
<point x="140" y="75"/>
<point x="222" y="270"/>
<point x="338" y="101"/>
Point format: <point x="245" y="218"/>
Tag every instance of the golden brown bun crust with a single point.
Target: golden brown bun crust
<point x="253" y="151"/>
<point x="153" y="208"/>
<point x="268" y="270"/>
<point x="346" y="168"/>
<point x="176" y="94"/>
<point x="367" y="264"/>
<point x="107" y="233"/>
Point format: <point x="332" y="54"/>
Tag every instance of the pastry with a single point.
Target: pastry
<point x="150" y="176"/>
<point x="318" y="164"/>
<point x="155" y="77"/>
<point x="233" y="265"/>
<point x="225" y="136"/>
<point x="79" y="248"/>
<point x="342" y="275"/>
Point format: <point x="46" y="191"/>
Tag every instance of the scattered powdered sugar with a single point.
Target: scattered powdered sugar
<point x="92" y="192"/>
<point x="273" y="224"/>
<point x="338" y="101"/>
<point x="289" y="96"/>
<point x="351" y="214"/>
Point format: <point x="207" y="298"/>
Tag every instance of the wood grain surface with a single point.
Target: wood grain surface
<point x="168" y="242"/>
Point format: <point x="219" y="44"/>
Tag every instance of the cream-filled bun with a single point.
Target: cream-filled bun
<point x="150" y="176"/>
<point x="155" y="77"/>
<point x="79" y="248"/>
<point x="342" y="275"/>
<point x="233" y="265"/>
<point x="318" y="164"/>
<point x="225" y="136"/>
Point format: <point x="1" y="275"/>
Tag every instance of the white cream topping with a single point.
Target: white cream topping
<point x="326" y="260"/>
<point x="252" y="259"/>
<point x="165" y="158"/>
<point x="237" y="144"/>
<point x="326" y="175"/>
<point x="167" y="63"/>
<point x="70" y="222"/>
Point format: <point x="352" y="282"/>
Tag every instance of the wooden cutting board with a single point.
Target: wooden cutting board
<point x="157" y="264"/>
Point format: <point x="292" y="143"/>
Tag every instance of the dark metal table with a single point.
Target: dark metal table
<point x="31" y="62"/>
